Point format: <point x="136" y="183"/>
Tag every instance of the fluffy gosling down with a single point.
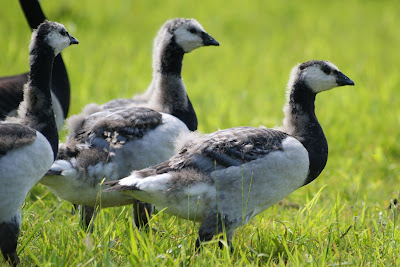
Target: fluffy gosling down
<point x="214" y="178"/>
<point x="108" y="145"/>
<point x="29" y="142"/>
<point x="142" y="124"/>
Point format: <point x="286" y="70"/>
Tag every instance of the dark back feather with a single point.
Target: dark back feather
<point x="14" y="136"/>
<point x="222" y="149"/>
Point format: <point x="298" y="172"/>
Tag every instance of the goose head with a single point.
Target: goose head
<point x="319" y="76"/>
<point x="186" y="33"/>
<point x="53" y="35"/>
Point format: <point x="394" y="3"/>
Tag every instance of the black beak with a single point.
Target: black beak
<point x="208" y="40"/>
<point x="73" y="40"/>
<point x="342" y="80"/>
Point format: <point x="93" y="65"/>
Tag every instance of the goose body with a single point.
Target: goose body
<point x="29" y="142"/>
<point x="232" y="175"/>
<point x="259" y="158"/>
<point x="11" y="87"/>
<point x="108" y="145"/>
<point x="166" y="94"/>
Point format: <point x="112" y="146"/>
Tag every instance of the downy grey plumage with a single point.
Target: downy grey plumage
<point x="225" y="178"/>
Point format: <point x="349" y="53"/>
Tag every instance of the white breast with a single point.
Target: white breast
<point x="20" y="170"/>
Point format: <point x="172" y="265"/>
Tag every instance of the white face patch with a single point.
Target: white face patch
<point x="318" y="80"/>
<point x="58" y="41"/>
<point x="188" y="40"/>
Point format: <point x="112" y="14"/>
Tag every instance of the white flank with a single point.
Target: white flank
<point x="20" y="170"/>
<point x="84" y="187"/>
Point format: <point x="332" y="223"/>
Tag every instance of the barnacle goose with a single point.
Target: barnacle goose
<point x="167" y="92"/>
<point x="232" y="175"/>
<point x="71" y="177"/>
<point x="110" y="144"/>
<point x="11" y="87"/>
<point x="29" y="142"/>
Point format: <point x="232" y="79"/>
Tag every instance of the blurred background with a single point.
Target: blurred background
<point x="243" y="81"/>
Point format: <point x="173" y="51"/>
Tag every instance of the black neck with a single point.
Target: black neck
<point x="33" y="12"/>
<point x="39" y="111"/>
<point x="41" y="64"/>
<point x="305" y="127"/>
<point x="59" y="82"/>
<point x="173" y="93"/>
<point x="188" y="116"/>
<point x="171" y="59"/>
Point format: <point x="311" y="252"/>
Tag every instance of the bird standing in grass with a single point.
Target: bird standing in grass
<point x="110" y="141"/>
<point x="225" y="178"/>
<point x="29" y="142"/>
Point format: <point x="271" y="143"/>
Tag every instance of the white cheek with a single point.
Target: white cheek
<point x="57" y="42"/>
<point x="187" y="41"/>
<point x="319" y="81"/>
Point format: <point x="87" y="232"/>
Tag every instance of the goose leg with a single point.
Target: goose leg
<point x="141" y="213"/>
<point x="214" y="224"/>
<point x="210" y="226"/>
<point x="86" y="214"/>
<point x="9" y="232"/>
<point x="74" y="208"/>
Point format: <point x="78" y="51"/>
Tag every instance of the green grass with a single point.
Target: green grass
<point x="242" y="82"/>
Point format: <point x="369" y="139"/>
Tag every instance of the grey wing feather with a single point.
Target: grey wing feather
<point x="106" y="131"/>
<point x="114" y="186"/>
<point x="13" y="136"/>
<point x="221" y="149"/>
<point x="120" y="125"/>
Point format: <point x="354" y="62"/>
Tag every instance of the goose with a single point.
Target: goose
<point x="225" y="178"/>
<point x="29" y="142"/>
<point x="11" y="87"/>
<point x="108" y="145"/>
<point x="166" y="94"/>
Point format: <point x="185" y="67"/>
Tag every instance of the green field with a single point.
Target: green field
<point x="342" y="218"/>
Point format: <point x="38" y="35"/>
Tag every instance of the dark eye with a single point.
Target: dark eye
<point x="326" y="70"/>
<point x="63" y="32"/>
<point x="193" y="30"/>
